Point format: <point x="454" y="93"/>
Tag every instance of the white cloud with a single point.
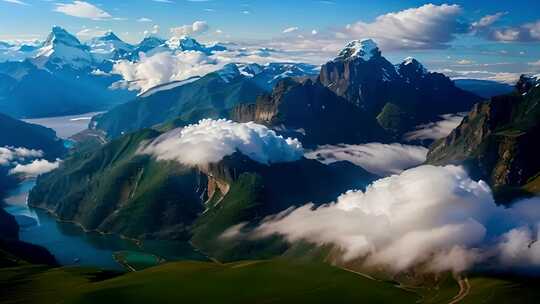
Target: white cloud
<point x="504" y="77"/>
<point x="168" y="65"/>
<point x="210" y="140"/>
<point x="82" y="9"/>
<point x="163" y="67"/>
<point x="426" y="27"/>
<point x="35" y="168"/>
<point x="377" y="158"/>
<point x="16" y="2"/>
<point x="523" y="33"/>
<point x="290" y="29"/>
<point x="487" y="21"/>
<point x="12" y="154"/>
<point x="198" y="27"/>
<point x="464" y="62"/>
<point x="144" y="19"/>
<point x="436" y="130"/>
<point x="436" y="217"/>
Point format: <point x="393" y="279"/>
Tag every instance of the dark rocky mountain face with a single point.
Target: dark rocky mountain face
<point x="498" y="142"/>
<point x="312" y="112"/>
<point x="358" y="80"/>
<point x="359" y="96"/>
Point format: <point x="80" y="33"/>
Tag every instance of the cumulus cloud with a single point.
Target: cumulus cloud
<point x="210" y="140"/>
<point x="8" y="155"/>
<point x="433" y="218"/>
<point x="82" y="9"/>
<point x="377" y="158"/>
<point x="35" y="168"/>
<point x="163" y="67"/>
<point x="528" y="32"/>
<point x="426" y="27"/>
<point x="168" y="65"/>
<point x="436" y="130"/>
<point x="198" y="27"/>
<point x="144" y="19"/>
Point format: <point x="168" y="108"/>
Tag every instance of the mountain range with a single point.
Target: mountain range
<point x="62" y="76"/>
<point x="211" y="96"/>
<point x="359" y="97"/>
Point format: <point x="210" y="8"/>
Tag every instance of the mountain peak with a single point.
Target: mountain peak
<point x="364" y="49"/>
<point x="412" y="65"/>
<point x="184" y="43"/>
<point x="60" y="35"/>
<point x="109" y="36"/>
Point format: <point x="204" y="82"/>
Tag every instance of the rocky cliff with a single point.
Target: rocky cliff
<point x="498" y="141"/>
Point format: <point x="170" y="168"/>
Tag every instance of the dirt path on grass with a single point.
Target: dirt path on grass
<point x="464" y="289"/>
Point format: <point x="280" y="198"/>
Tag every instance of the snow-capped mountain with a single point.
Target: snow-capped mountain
<point x="364" y="49"/>
<point x="150" y="44"/>
<point x="62" y="48"/>
<point x="109" y="47"/>
<point x="186" y="43"/>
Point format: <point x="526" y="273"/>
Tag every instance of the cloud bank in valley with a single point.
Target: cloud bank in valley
<point x="26" y="162"/>
<point x="209" y="141"/>
<point x="163" y="67"/>
<point x="435" y="218"/>
<point x="8" y="155"/>
<point x="35" y="168"/>
<point x="436" y="130"/>
<point x="377" y="158"/>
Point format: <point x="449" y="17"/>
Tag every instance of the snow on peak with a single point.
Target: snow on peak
<point x="411" y="63"/>
<point x="229" y="72"/>
<point x="409" y="60"/>
<point x="63" y="48"/>
<point x="250" y="69"/>
<point x="109" y="47"/>
<point x="60" y="35"/>
<point x="184" y="43"/>
<point x="364" y="49"/>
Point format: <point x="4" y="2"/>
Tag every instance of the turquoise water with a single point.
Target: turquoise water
<point x="72" y="246"/>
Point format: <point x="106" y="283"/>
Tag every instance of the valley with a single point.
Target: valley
<point x="172" y="151"/>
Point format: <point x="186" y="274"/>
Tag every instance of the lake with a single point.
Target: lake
<point x="65" y="126"/>
<point x="72" y="246"/>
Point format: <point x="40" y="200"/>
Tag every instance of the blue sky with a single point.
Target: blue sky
<point x="508" y="44"/>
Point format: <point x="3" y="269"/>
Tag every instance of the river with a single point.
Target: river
<point x="68" y="242"/>
<point x="71" y="245"/>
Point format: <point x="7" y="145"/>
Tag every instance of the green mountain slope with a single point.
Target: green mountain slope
<point x="115" y="189"/>
<point x="209" y="97"/>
